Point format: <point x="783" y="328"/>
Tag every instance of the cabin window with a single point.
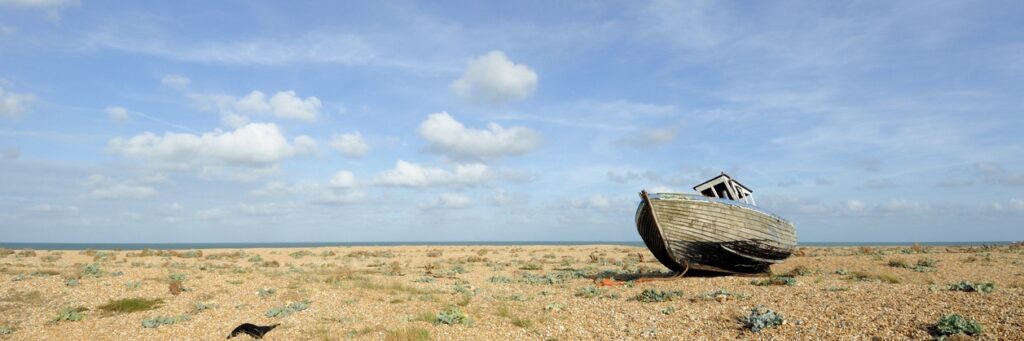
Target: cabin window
<point x="723" y="192"/>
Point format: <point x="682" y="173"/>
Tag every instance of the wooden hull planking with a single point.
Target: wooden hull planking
<point x="690" y="231"/>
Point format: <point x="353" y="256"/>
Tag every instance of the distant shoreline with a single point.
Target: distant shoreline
<point x="179" y="246"/>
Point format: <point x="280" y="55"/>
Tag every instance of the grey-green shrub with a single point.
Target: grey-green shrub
<point x="452" y="315"/>
<point x="955" y="324"/>
<point x="761" y="318"/>
<point x="589" y="292"/>
<point x="500" y="279"/>
<point x="163" y="320"/>
<point x="651" y="295"/>
<point x="92" y="270"/>
<point x="266" y="292"/>
<point x="70" y="314"/>
<point x="967" y="286"/>
<point x="723" y="295"/>
<point x="287" y="310"/>
<point x="5" y="330"/>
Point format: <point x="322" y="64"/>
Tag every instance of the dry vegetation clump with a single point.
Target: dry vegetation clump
<point x="130" y="305"/>
<point x="233" y="256"/>
<point x="722" y="295"/>
<point x="407" y="334"/>
<point x="800" y="270"/>
<point x="775" y="280"/>
<point x="4" y="252"/>
<point x="175" y="288"/>
<point x="866" y="276"/>
<point x="393" y="269"/>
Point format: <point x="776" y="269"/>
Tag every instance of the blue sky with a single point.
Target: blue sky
<point x="399" y="121"/>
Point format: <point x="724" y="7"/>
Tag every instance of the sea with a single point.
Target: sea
<point x="183" y="246"/>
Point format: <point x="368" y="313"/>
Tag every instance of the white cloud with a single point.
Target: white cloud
<point x="346" y="197"/>
<point x="407" y="174"/>
<point x="303" y="144"/>
<point x="13" y="104"/>
<point x="450" y="201"/>
<point x="176" y="81"/>
<point x="122" y="191"/>
<point x="627" y="176"/>
<point x="663" y="189"/>
<point x="281" y="187"/>
<point x="696" y="25"/>
<point x="267" y="209"/>
<point x="341" y="189"/>
<point x="253" y="145"/>
<point x="117" y="114"/>
<point x="601" y="203"/>
<point x="346" y="49"/>
<point x="350" y="145"/>
<point x="51" y="209"/>
<point x="283" y="104"/>
<point x="648" y="138"/>
<point x="102" y="187"/>
<point x="211" y="214"/>
<point x="38" y="3"/>
<point x="10" y="154"/>
<point x="903" y="206"/>
<point x="343" y="179"/>
<point x="855" y="206"/>
<point x="287" y="105"/>
<point x="493" y="78"/>
<point x="448" y="136"/>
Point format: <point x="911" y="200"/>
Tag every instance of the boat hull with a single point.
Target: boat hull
<point x="694" y="232"/>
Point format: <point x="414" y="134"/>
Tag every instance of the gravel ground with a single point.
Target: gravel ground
<point x="525" y="292"/>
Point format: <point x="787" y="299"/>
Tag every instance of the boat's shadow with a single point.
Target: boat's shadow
<point x="662" y="275"/>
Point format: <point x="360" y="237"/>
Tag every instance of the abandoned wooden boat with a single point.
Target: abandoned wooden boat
<point x="720" y="230"/>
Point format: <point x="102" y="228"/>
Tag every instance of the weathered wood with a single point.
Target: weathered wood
<point x="712" y="234"/>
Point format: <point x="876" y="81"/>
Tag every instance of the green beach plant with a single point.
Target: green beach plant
<point x="589" y="292"/>
<point x="70" y="314"/>
<point x="163" y="320"/>
<point x="92" y="270"/>
<point x="652" y="295"/>
<point x="723" y="295"/>
<point x="949" y="325"/>
<point x="286" y="310"/>
<point x="967" y="286"/>
<point x="762" y="318"/>
<point x="451" y="316"/>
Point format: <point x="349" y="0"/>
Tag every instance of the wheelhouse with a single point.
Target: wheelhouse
<point x="725" y="187"/>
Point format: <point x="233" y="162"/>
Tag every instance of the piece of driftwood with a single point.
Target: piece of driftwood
<point x="257" y="332"/>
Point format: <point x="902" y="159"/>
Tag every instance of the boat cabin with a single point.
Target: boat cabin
<point x="725" y="187"/>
